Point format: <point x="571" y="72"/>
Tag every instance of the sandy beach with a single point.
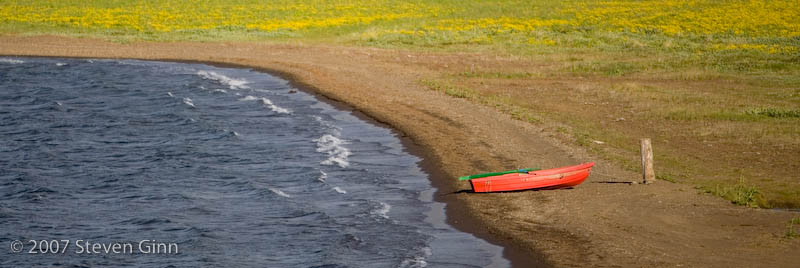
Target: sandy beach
<point x="605" y="222"/>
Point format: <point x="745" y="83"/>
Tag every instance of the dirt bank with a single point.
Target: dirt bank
<point x="600" y="223"/>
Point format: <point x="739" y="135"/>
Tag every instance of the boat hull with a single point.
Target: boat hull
<point x="541" y="179"/>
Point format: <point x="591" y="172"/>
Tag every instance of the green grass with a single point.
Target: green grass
<point x="450" y="90"/>
<point x="741" y="193"/>
<point x="752" y="114"/>
<point x="503" y="104"/>
<point x="791" y="231"/>
<point x="499" y="75"/>
<point x="667" y="177"/>
<point x="774" y="112"/>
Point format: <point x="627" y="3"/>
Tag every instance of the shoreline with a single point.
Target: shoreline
<point x="454" y="212"/>
<point x="599" y="223"/>
<point x="455" y="215"/>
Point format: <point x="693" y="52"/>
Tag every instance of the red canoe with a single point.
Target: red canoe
<point x="540" y="179"/>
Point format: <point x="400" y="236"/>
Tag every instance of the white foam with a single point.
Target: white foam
<point x="231" y="131"/>
<point x="339" y="190"/>
<point x="11" y="61"/>
<point x="232" y="83"/>
<point x="188" y="101"/>
<point x="416" y="262"/>
<point x="327" y="124"/>
<point x="61" y="64"/>
<point x="170" y="94"/>
<point x="322" y="176"/>
<point x="221" y="90"/>
<point x="274" y="107"/>
<point x="268" y="103"/>
<point x="333" y="146"/>
<point x="59" y="103"/>
<point x="279" y="192"/>
<point x="427" y="251"/>
<point x="383" y="210"/>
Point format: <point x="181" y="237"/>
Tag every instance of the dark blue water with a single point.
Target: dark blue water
<point x="212" y="167"/>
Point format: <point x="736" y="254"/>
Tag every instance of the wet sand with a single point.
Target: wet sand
<point x="600" y="223"/>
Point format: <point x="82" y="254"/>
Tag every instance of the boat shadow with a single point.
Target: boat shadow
<point x="614" y="182"/>
<point x="470" y="191"/>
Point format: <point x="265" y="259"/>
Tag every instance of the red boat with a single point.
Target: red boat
<point x="539" y="179"/>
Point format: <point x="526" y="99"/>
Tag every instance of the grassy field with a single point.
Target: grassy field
<point x="716" y="84"/>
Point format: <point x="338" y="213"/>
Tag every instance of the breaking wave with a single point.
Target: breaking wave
<point x="188" y="101"/>
<point x="417" y="261"/>
<point x="333" y="146"/>
<point x="382" y="210"/>
<point x="322" y="176"/>
<point x="274" y="107"/>
<point x="232" y="83"/>
<point x="11" y="61"/>
<point x="268" y="103"/>
<point x="279" y="192"/>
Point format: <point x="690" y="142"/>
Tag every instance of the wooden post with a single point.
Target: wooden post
<point x="648" y="175"/>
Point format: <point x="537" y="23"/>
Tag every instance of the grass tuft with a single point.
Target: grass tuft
<point x="774" y="112"/>
<point x="753" y="114"/>
<point x="740" y="194"/>
<point x="499" y="75"/>
<point x="790" y="229"/>
<point x="667" y="177"/>
<point x="450" y="90"/>
<point x="505" y="105"/>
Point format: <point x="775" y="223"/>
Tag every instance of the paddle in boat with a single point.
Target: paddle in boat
<point x="523" y="179"/>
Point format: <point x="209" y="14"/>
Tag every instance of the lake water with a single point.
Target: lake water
<point x="141" y="163"/>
